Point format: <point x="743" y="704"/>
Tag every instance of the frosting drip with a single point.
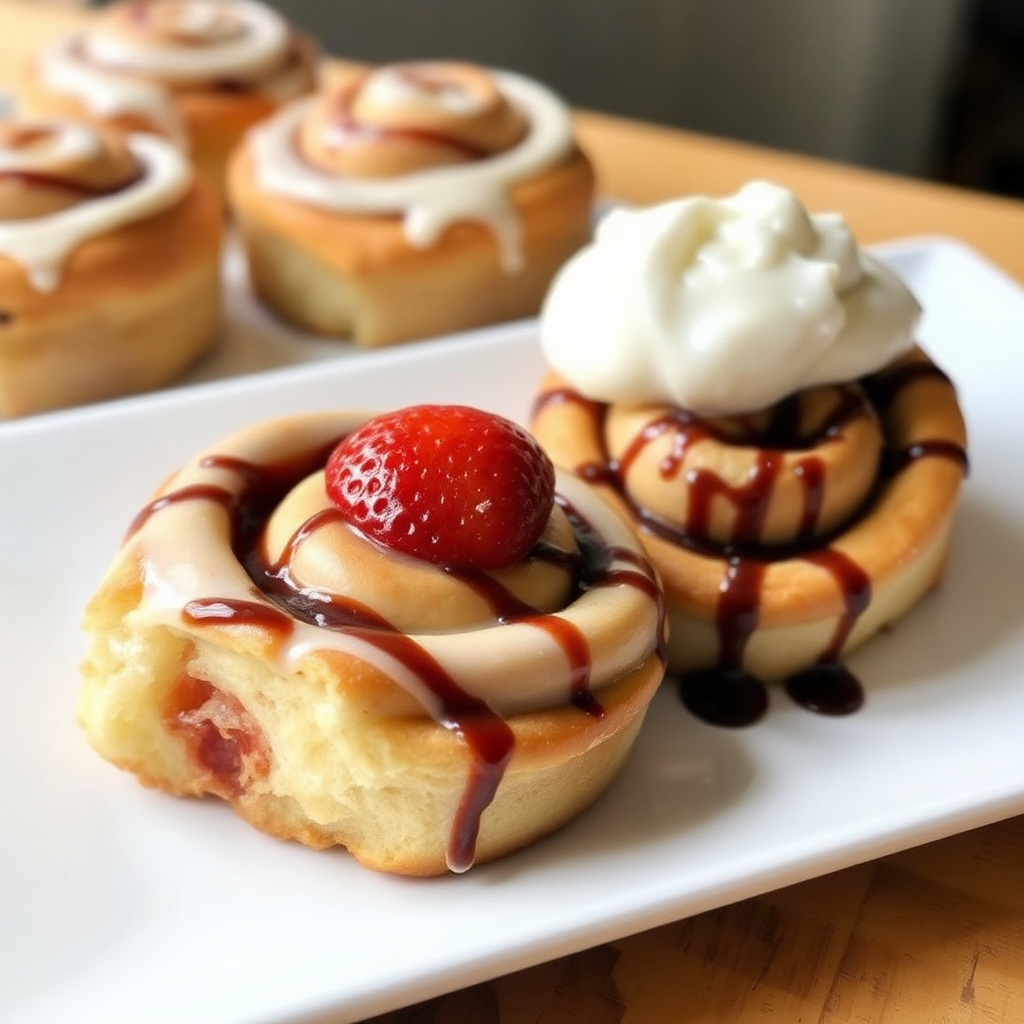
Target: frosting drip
<point x="89" y="182"/>
<point x="467" y="177"/>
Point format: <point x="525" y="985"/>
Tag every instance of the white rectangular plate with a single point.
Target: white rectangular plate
<point x="119" y="905"/>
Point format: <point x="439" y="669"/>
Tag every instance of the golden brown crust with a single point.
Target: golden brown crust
<point x="133" y="309"/>
<point x="563" y="758"/>
<point x="345" y="274"/>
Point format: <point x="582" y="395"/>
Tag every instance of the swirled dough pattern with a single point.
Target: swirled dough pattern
<point x="248" y="643"/>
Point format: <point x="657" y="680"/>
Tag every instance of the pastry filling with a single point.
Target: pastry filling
<point x="223" y="740"/>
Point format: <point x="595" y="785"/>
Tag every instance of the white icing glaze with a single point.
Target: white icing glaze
<point x="108" y="74"/>
<point x="430" y="200"/>
<point x="186" y="555"/>
<point x="244" y="56"/>
<point x="41" y="245"/>
<point x="106" y="94"/>
<point x="64" y="142"/>
<point x="390" y="87"/>
<point x="723" y="306"/>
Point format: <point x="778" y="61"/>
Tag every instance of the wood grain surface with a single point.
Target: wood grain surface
<point x="932" y="934"/>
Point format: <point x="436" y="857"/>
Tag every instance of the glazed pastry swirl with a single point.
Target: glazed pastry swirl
<point x="406" y="118"/>
<point x="46" y="167"/>
<point x="135" y="56"/>
<point x="785" y="476"/>
<point x="788" y="537"/>
<point x="244" y="539"/>
<point x="190" y="40"/>
<point x="62" y="182"/>
<point x="435" y="143"/>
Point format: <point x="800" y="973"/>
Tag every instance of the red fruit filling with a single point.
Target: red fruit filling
<point x="445" y="483"/>
<point x="223" y="739"/>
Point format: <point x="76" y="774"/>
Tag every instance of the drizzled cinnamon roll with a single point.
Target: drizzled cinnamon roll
<point x="412" y="200"/>
<point x="250" y="642"/>
<point x="109" y="264"/>
<point x="751" y="396"/>
<point x="198" y="72"/>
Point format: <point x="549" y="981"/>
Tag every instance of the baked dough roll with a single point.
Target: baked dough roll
<point x="109" y="264"/>
<point x="783" y="544"/>
<point x="787" y="531"/>
<point x="410" y="201"/>
<point x="253" y="640"/>
<point x="198" y="72"/>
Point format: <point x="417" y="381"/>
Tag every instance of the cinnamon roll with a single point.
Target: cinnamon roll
<point x="751" y="396"/>
<point x="270" y="633"/>
<point x="411" y="200"/>
<point x="109" y="264"/>
<point x="198" y="72"/>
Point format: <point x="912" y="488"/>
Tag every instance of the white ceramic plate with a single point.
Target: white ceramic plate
<point x="119" y="905"/>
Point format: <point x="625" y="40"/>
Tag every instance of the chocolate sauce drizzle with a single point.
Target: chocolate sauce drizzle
<point x="727" y="695"/>
<point x="279" y="601"/>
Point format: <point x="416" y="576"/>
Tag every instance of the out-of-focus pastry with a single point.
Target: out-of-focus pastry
<point x="744" y="383"/>
<point x="412" y="200"/>
<point x="199" y="72"/>
<point x="401" y="635"/>
<point x="109" y="264"/>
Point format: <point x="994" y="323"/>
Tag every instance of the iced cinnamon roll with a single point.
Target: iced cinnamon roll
<point x="109" y="264"/>
<point x="743" y="382"/>
<point x="412" y="200"/>
<point x="198" y="72"/>
<point x="299" y="624"/>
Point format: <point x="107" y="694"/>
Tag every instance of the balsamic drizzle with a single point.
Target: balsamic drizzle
<point x="727" y="695"/>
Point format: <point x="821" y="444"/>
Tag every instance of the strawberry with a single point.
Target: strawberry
<point x="445" y="483"/>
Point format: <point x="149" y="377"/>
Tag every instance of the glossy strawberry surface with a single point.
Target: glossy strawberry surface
<point x="448" y="484"/>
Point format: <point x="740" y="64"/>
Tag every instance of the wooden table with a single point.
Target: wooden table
<point x="931" y="934"/>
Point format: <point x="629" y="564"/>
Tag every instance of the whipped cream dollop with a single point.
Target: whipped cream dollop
<point x="723" y="306"/>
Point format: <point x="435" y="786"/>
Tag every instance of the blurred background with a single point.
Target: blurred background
<point x="929" y="88"/>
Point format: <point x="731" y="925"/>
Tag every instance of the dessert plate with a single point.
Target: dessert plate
<point x="120" y="905"/>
